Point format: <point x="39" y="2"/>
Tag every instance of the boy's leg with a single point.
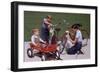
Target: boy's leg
<point x="71" y="50"/>
<point x="75" y="49"/>
<point x="68" y="44"/>
<point x="78" y="47"/>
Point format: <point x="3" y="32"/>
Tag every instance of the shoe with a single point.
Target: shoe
<point x="80" y="52"/>
<point x="59" y="59"/>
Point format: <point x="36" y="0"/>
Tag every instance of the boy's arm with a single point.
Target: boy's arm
<point x="76" y="38"/>
<point x="47" y="23"/>
<point x="73" y="42"/>
<point x="42" y="41"/>
<point x="33" y="40"/>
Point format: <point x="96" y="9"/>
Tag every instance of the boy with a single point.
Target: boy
<point x="77" y="41"/>
<point x="45" y="28"/>
<point x="36" y="40"/>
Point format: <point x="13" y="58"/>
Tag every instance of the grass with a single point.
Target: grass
<point x="34" y="20"/>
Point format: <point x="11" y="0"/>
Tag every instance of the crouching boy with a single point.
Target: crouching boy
<point x="77" y="41"/>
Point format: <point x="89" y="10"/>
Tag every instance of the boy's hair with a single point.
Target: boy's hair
<point x="76" y="26"/>
<point x="49" y="16"/>
<point x="35" y="30"/>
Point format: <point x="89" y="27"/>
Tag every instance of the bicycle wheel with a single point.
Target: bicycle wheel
<point x="61" y="48"/>
<point x="85" y="37"/>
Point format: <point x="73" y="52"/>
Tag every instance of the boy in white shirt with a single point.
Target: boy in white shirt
<point x="36" y="40"/>
<point x="78" y="40"/>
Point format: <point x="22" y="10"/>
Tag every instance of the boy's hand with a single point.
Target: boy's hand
<point x="44" y="42"/>
<point x="49" y="26"/>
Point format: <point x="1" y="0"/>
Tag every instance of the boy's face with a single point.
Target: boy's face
<point x="74" y="29"/>
<point x="37" y="33"/>
<point x="49" y="20"/>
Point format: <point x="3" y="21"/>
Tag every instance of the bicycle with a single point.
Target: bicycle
<point x="84" y="43"/>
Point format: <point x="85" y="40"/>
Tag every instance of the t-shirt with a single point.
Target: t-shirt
<point x="79" y="35"/>
<point x="35" y="39"/>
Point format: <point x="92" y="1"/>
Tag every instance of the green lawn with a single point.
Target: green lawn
<point x="34" y="20"/>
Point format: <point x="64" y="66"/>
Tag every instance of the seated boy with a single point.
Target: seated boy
<point x="37" y="42"/>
